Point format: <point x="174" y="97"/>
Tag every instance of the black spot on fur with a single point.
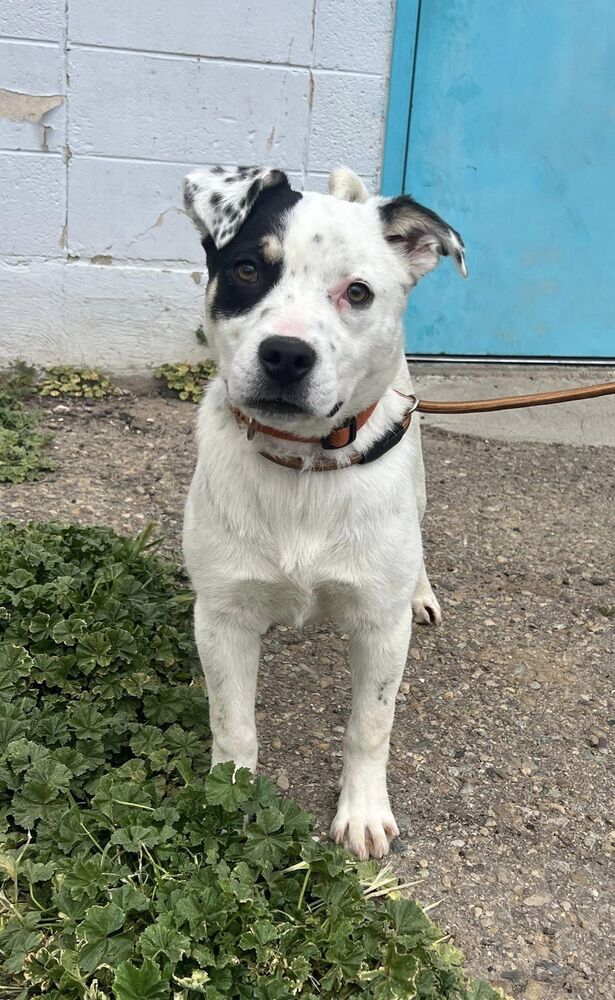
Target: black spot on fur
<point x="217" y="170"/>
<point x="380" y="692"/>
<point x="316" y="238"/>
<point x="233" y="296"/>
<point x="215" y="199"/>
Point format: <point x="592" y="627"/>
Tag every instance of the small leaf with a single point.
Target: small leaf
<point x="145" y="983"/>
<point x="228" y="787"/>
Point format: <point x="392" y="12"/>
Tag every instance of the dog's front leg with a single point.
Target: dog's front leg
<point x="364" y="822"/>
<point x="229" y="653"/>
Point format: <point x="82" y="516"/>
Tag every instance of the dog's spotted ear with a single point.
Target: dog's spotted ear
<point x="420" y="235"/>
<point x="220" y="199"/>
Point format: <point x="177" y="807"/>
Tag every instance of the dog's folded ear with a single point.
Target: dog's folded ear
<point x="346" y="185"/>
<point x="420" y="235"/>
<point x="220" y="199"/>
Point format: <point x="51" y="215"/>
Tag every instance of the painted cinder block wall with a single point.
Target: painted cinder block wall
<point x="103" y="108"/>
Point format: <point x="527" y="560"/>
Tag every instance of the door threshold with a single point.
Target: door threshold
<point x="503" y="359"/>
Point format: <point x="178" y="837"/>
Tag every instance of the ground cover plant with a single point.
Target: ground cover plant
<point x="185" y="380"/>
<point x="81" y="383"/>
<point x="128" y="872"/>
<point x="22" y="447"/>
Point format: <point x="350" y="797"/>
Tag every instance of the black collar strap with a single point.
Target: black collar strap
<point x="380" y="447"/>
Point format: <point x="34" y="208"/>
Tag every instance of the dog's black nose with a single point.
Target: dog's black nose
<point x="286" y="359"/>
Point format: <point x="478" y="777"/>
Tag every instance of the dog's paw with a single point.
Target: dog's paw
<point x="364" y="832"/>
<point x="426" y="608"/>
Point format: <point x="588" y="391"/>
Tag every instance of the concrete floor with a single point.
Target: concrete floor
<point x="585" y="422"/>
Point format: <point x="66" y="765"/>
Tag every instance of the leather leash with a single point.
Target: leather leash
<point x="516" y="402"/>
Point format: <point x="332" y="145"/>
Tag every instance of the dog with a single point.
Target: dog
<point x="309" y="490"/>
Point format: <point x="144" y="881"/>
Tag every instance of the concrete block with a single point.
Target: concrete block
<point x="32" y="100"/>
<point x="38" y="19"/>
<point x="130" y="210"/>
<point x="354" y="36"/>
<point x="31" y="317"/>
<point x="122" y="319"/>
<point x="257" y="30"/>
<point x="33" y="204"/>
<point x="133" y="211"/>
<point x="181" y="109"/>
<point x="347" y="122"/>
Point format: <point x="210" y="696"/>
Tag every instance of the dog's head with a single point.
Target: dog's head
<point x="306" y="291"/>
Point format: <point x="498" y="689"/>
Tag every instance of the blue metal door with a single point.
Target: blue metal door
<point x="502" y="119"/>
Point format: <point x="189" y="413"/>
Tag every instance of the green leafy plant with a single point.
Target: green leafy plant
<point x="186" y="380"/>
<point x="82" y="383"/>
<point x="22" y="457"/>
<point x="127" y="871"/>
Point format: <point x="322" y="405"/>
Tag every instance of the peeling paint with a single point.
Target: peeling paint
<point x="101" y="258"/>
<point x="63" y="241"/>
<point x="197" y="277"/>
<point x="27" y="107"/>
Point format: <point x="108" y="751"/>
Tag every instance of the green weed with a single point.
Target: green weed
<point x="127" y="872"/>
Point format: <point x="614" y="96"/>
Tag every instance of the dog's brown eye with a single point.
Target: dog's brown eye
<point x="358" y="294"/>
<point x="246" y="271"/>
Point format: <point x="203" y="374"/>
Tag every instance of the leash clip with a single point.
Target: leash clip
<point x="414" y="404"/>
<point x="251" y="429"/>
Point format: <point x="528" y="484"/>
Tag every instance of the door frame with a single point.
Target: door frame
<point x="401" y="87"/>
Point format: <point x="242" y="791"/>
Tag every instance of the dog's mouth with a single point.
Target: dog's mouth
<point x="277" y="407"/>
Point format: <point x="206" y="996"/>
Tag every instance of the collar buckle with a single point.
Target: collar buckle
<point x="351" y="426"/>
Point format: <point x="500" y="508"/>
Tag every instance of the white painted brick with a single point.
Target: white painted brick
<point x="130" y="210"/>
<point x="32" y="313"/>
<point x="39" y="70"/>
<point x="39" y="19"/>
<point x="33" y="204"/>
<point x="354" y="36"/>
<point x="347" y="122"/>
<point x="180" y="109"/>
<point x="31" y="68"/>
<point x="258" y="30"/>
<point x="119" y="318"/>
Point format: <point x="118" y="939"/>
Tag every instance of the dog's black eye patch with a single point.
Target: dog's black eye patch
<point x="232" y="296"/>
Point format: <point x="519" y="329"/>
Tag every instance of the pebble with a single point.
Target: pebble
<point x="534" y="990"/>
<point x="538" y="899"/>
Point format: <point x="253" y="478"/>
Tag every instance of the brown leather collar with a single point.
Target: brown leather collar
<point x="341" y="437"/>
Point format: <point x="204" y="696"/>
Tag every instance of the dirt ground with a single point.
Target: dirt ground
<point x="501" y="763"/>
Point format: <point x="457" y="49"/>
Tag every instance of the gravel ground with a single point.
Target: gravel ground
<point x="501" y="764"/>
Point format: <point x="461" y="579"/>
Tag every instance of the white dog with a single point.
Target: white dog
<point x="308" y="494"/>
